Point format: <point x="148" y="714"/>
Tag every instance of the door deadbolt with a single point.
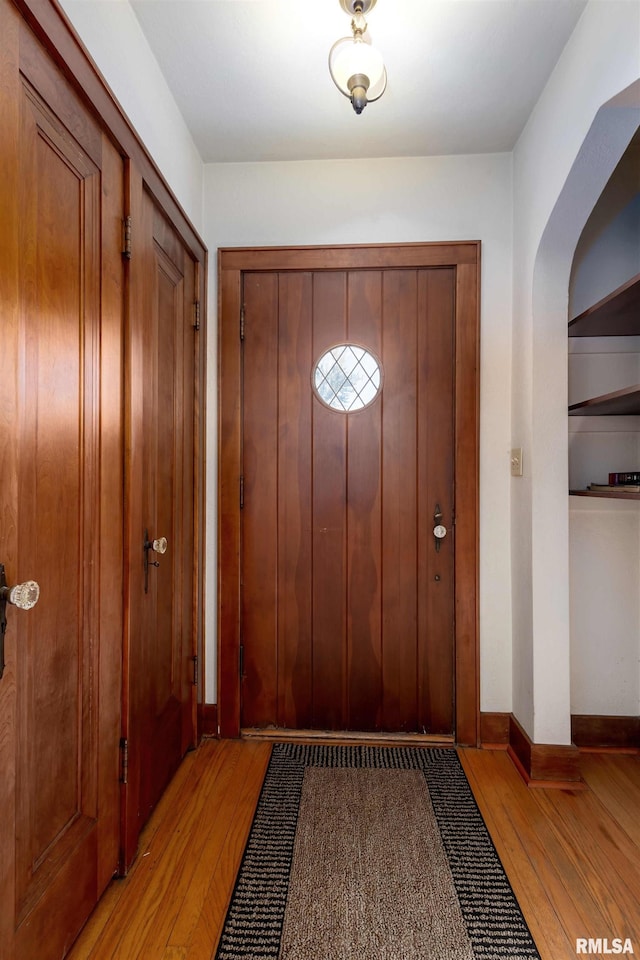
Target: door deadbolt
<point x="439" y="530"/>
<point x="22" y="595"/>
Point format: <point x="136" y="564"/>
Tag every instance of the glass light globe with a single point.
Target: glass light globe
<point x="350" y="57"/>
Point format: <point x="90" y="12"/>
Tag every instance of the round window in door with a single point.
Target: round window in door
<point x="347" y="377"/>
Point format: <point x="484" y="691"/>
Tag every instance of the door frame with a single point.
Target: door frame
<point x="464" y="257"/>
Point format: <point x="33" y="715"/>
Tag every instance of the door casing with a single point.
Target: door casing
<point x="464" y="257"/>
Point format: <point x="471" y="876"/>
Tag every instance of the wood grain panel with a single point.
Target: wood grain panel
<point x="200" y="349"/>
<point x="364" y="485"/>
<point x="58" y="665"/>
<point x="373" y="256"/>
<point x="70" y="110"/>
<point x="259" y="515"/>
<point x="294" y="501"/>
<point x="399" y="469"/>
<point x="111" y="511"/>
<point x="50" y="506"/>
<point x="162" y="479"/>
<point x="329" y="523"/>
<point x="53" y="29"/>
<point x="135" y="378"/>
<point x="467" y="406"/>
<point x="494" y="729"/>
<point x="229" y="522"/>
<point x="9" y="404"/>
<point x="435" y="323"/>
<point x="604" y="731"/>
<point x="543" y="764"/>
<point x="188" y="494"/>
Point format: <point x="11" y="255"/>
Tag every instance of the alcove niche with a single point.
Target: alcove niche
<point x="604" y="438"/>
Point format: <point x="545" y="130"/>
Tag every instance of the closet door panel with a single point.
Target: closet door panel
<point x="61" y="689"/>
<point x="160" y="416"/>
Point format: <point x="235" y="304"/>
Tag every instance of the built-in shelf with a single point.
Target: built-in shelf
<point x="620" y="403"/>
<point x="605" y="494"/>
<point x="616" y="315"/>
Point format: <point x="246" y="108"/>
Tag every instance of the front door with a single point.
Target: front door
<point x="158" y="723"/>
<point x="347" y="602"/>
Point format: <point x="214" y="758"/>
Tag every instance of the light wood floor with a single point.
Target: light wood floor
<point x="573" y="857"/>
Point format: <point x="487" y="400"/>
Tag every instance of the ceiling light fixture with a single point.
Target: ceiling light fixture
<point x="357" y="68"/>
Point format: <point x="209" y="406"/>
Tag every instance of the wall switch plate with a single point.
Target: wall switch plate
<point x="516" y="462"/>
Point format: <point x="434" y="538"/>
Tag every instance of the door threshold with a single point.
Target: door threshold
<point x="283" y="735"/>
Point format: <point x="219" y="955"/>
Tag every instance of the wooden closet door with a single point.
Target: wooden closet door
<point x="160" y="635"/>
<point x="60" y="503"/>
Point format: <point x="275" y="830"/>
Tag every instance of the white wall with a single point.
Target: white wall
<point x="605" y="606"/>
<point x="112" y="35"/>
<point x="562" y="162"/>
<point x="394" y="201"/>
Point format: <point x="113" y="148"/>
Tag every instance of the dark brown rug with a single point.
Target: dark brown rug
<point x="370" y="853"/>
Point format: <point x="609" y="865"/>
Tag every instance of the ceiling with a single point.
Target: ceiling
<point x="251" y="76"/>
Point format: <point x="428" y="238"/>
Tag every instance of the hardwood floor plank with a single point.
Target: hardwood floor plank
<point x="573" y="858"/>
<point x="88" y="944"/>
<point x="609" y="777"/>
<point x="180" y="840"/>
<point x="597" y="849"/>
<point x="138" y="909"/>
<point x="505" y="804"/>
<point x="131" y="905"/>
<point x="214" y="904"/>
<point x="585" y="861"/>
<point x="233" y="815"/>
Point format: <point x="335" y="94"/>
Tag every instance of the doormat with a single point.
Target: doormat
<point x="371" y="853"/>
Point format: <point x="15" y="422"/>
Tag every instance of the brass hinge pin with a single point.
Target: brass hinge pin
<point x="126" y="251"/>
<point x="124" y="760"/>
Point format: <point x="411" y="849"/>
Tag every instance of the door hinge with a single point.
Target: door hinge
<point x="126" y="238"/>
<point x="195" y="671"/>
<point x="241" y="492"/>
<point x="196" y="314"/>
<point x="242" y="322"/>
<point x="241" y="661"/>
<point x="124" y="760"/>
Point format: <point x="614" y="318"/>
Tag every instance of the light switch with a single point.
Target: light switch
<point x="516" y="462"/>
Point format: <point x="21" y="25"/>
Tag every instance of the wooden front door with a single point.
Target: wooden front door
<point x="351" y="612"/>
<point x="347" y="597"/>
<point x="60" y="503"/>
<point x="158" y="724"/>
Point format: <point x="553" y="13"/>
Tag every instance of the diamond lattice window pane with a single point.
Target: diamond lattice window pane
<point x="347" y="377"/>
